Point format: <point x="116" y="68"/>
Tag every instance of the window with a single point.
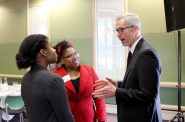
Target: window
<point x="110" y="54"/>
<point x="38" y="19"/>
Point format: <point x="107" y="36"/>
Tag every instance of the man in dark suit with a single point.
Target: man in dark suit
<point x="137" y="96"/>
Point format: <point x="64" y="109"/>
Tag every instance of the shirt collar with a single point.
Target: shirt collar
<point x="134" y="45"/>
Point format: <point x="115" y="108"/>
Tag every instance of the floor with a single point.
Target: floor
<point x="110" y="118"/>
<point x="113" y="118"/>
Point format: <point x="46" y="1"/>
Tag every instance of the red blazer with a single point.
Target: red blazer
<point x="82" y="103"/>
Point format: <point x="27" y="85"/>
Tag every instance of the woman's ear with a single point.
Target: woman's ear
<point x="43" y="52"/>
<point x="62" y="61"/>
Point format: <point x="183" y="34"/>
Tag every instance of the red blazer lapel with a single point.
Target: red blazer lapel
<point x="84" y="78"/>
<point x="62" y="72"/>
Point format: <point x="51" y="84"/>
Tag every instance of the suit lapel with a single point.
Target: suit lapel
<point x="133" y="59"/>
<point x="84" y="78"/>
<point x="62" y="72"/>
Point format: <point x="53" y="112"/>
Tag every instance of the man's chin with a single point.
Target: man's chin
<point x="123" y="44"/>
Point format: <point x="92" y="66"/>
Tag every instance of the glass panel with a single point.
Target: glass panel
<point x="110" y="55"/>
<point x="38" y="19"/>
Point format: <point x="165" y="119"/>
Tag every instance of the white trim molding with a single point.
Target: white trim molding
<point x="171" y="84"/>
<point x="11" y="76"/>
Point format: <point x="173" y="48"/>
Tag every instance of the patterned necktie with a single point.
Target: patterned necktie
<point x="128" y="59"/>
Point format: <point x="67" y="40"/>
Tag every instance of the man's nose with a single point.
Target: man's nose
<point x="118" y="35"/>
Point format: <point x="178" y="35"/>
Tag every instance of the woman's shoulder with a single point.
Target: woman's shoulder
<point x="48" y="75"/>
<point x="58" y="69"/>
<point x="85" y="66"/>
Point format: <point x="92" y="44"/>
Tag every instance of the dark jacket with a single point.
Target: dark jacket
<point x="137" y="96"/>
<point x="45" y="96"/>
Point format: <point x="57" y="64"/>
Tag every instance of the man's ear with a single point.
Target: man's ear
<point x="135" y="29"/>
<point x="43" y="52"/>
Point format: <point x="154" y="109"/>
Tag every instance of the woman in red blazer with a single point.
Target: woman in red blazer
<point x="79" y="81"/>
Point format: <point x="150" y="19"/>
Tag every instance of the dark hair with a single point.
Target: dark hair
<point x="29" y="49"/>
<point x="60" y="49"/>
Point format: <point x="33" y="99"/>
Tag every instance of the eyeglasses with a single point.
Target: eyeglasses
<point x="74" y="55"/>
<point x="121" y="30"/>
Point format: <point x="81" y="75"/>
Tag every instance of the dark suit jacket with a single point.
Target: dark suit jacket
<point x="45" y="96"/>
<point x="137" y="96"/>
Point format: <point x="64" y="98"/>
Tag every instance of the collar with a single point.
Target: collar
<point x="37" y="66"/>
<point x="134" y="45"/>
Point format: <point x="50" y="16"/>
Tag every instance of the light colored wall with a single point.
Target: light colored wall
<point x="73" y="21"/>
<point x="13" y="30"/>
<point x="151" y="13"/>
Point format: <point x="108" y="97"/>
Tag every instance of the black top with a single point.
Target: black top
<point x="45" y="97"/>
<point x="76" y="83"/>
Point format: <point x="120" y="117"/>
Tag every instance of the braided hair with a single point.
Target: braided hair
<point x="61" y="48"/>
<point x="29" y="49"/>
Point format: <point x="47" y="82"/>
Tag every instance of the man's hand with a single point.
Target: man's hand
<point x="115" y="83"/>
<point x="104" y="88"/>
